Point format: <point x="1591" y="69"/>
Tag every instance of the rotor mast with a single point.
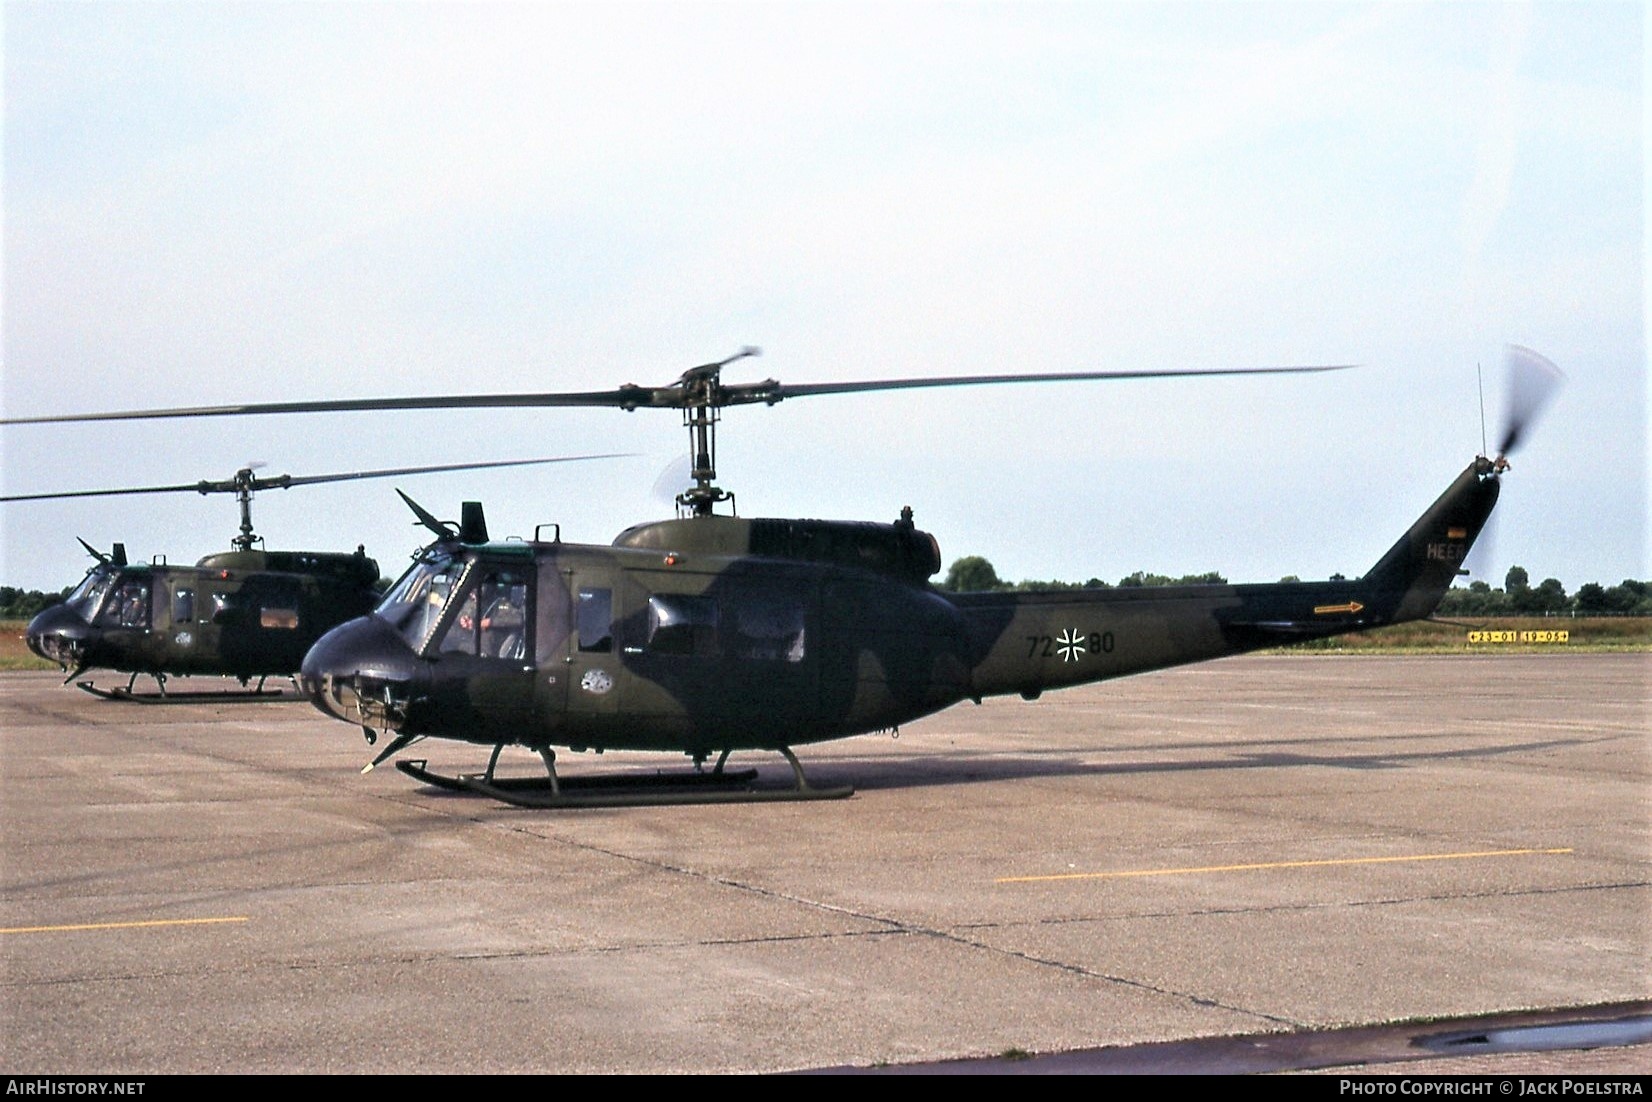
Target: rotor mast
<point x="702" y="401"/>
<point x="243" y="485"/>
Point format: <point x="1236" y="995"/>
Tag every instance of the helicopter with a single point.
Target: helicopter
<point x="243" y="613"/>
<point x="712" y="633"/>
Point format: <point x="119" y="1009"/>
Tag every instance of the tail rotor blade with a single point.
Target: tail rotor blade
<point x="1532" y="382"/>
<point x="673" y="478"/>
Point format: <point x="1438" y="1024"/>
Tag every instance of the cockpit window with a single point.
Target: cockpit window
<point x="414" y="603"/>
<point x="128" y="607"/>
<point x="492" y="617"/>
<point x="461" y="633"/>
<point x="89" y="594"/>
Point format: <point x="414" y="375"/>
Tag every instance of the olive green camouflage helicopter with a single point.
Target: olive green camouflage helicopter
<point x="244" y="613"/>
<point x="712" y="633"/>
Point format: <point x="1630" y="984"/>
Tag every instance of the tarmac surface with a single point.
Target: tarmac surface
<point x="1264" y="863"/>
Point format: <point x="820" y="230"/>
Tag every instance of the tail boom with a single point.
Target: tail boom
<point x="1028" y="642"/>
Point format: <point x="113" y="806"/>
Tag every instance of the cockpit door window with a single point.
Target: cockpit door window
<point x="128" y="605"/>
<point x="492" y="619"/>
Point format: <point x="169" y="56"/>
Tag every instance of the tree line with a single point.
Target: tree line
<point x="22" y="604"/>
<point x="1518" y="597"/>
<point x="972" y="574"/>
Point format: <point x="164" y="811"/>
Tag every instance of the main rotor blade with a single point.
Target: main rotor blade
<point x="191" y="488"/>
<point x="686" y="393"/>
<point x="281" y="482"/>
<point x="625" y="397"/>
<point x="776" y="392"/>
<point x="306" y="480"/>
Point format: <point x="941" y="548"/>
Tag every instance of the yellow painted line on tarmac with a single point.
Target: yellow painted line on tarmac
<point x="1283" y="865"/>
<point x="123" y="925"/>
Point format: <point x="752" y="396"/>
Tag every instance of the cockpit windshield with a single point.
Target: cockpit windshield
<point x="414" y="604"/>
<point x="89" y="594"/>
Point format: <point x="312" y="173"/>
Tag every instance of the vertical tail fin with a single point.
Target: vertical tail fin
<point x="1408" y="582"/>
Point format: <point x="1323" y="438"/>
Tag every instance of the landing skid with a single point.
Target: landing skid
<point x="625" y="789"/>
<point x="228" y="696"/>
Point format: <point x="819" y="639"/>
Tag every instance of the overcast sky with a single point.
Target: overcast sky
<point x="210" y="203"/>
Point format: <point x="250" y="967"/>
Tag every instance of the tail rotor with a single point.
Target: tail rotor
<point x="1532" y="382"/>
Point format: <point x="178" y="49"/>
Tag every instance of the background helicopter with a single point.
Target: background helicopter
<point x="712" y="633"/>
<point x="244" y="613"/>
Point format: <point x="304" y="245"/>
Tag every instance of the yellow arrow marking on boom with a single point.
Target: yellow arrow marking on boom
<point x="1326" y="610"/>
